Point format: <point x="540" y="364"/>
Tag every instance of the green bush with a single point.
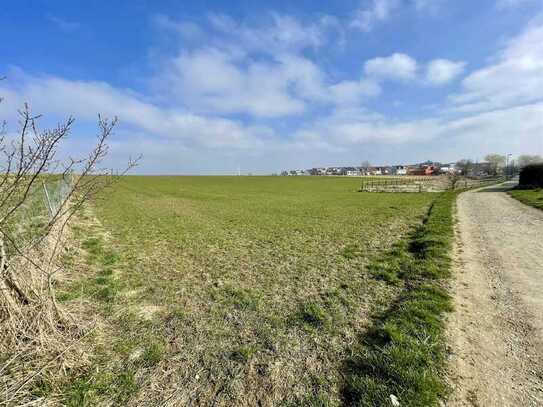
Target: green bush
<point x="531" y="176"/>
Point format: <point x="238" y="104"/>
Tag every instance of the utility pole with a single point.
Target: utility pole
<point x="507" y="172"/>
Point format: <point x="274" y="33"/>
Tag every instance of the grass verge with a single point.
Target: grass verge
<point x="532" y="197"/>
<point x="403" y="355"/>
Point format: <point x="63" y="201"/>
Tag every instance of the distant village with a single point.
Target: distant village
<point x="428" y="168"/>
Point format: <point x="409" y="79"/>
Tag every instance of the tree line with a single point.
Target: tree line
<point x="497" y="163"/>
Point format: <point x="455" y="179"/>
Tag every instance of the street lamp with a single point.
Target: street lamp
<point x="507" y="166"/>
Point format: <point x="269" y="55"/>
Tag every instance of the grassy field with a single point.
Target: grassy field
<point x="532" y="197"/>
<point x="248" y="290"/>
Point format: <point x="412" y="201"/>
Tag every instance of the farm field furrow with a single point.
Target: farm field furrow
<point x="231" y="290"/>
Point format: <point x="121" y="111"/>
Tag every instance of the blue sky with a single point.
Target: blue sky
<point x="204" y="87"/>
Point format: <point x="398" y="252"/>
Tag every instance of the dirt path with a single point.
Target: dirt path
<point x="496" y="330"/>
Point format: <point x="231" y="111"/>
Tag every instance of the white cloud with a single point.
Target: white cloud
<point x="213" y="81"/>
<point x="379" y="11"/>
<point x="259" y="71"/>
<point x="510" y="130"/>
<point x="353" y="92"/>
<point x="60" y="97"/>
<point x="349" y="135"/>
<point x="347" y="127"/>
<point x="375" y="12"/>
<point x="397" y="66"/>
<point x="177" y="140"/>
<point x="262" y="71"/>
<point x="515" y="78"/>
<point x="442" y="71"/>
<point x="402" y="67"/>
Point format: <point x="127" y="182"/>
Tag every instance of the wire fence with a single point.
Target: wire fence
<point x="55" y="193"/>
<point x="43" y="201"/>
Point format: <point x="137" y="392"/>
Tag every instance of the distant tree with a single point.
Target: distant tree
<point x="526" y="159"/>
<point x="513" y="168"/>
<point x="464" y="166"/>
<point x="495" y="163"/>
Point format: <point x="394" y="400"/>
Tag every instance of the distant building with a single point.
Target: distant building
<point x="448" y="168"/>
<point x="416" y="171"/>
<point x="350" y="171"/>
<point x="399" y="170"/>
<point x="375" y="171"/>
<point x="426" y="168"/>
<point x="363" y="170"/>
<point x="334" y="171"/>
<point x="317" y="171"/>
<point x="294" y="173"/>
<point x="423" y="170"/>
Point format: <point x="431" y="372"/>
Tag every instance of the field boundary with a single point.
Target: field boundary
<point x="402" y="358"/>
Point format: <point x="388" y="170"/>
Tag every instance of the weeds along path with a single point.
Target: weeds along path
<point x="497" y="329"/>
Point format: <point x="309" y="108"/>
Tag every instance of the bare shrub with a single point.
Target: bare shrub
<point x="39" y="339"/>
<point x="453" y="179"/>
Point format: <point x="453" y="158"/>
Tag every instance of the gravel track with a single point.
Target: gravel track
<point x="496" y="331"/>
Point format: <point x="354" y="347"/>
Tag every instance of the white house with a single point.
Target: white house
<point x="448" y="168"/>
<point x="351" y="172"/>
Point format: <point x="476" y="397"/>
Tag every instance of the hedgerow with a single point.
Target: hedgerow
<point x="531" y="176"/>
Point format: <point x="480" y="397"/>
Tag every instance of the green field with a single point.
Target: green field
<point x="233" y="290"/>
<point x="532" y="197"/>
